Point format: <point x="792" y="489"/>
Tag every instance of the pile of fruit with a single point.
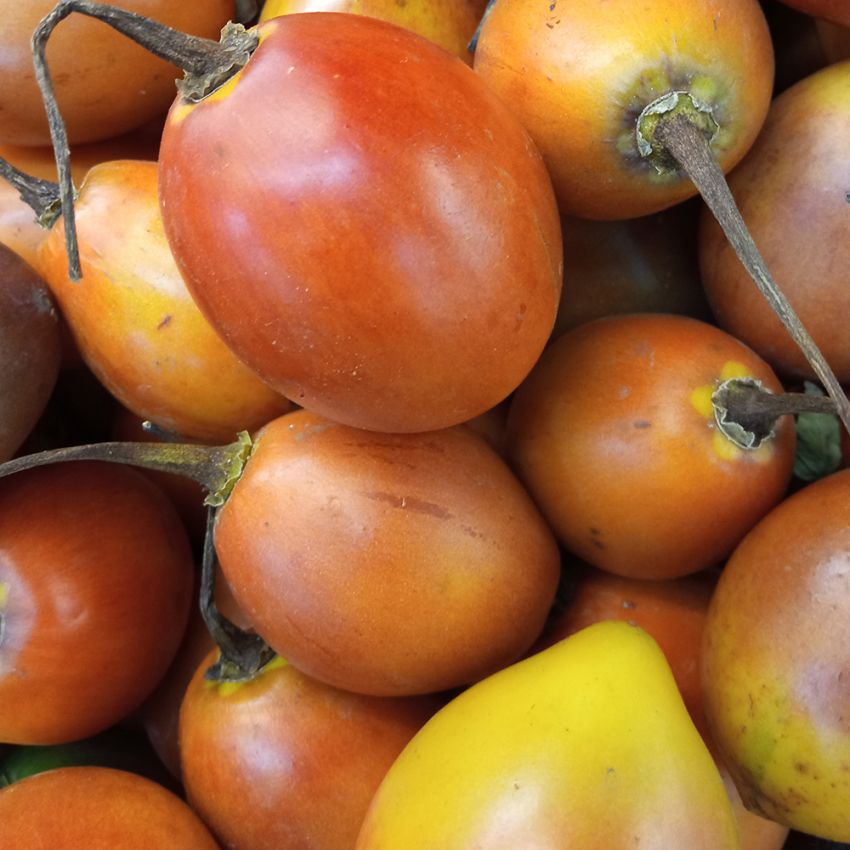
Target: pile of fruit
<point x="408" y="440"/>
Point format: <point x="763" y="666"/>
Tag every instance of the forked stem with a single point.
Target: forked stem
<point x="242" y="654"/>
<point x="689" y="146"/>
<point x="41" y="196"/>
<point x="206" y="63"/>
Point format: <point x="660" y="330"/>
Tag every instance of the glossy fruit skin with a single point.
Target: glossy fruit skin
<point x="673" y="612"/>
<point x="561" y="750"/>
<point x="449" y="23"/>
<point x="614" y="436"/>
<point x="29" y="349"/>
<point x="579" y="73"/>
<point x="105" y="84"/>
<point x="88" y="808"/>
<point x="306" y="758"/>
<point x="96" y="581"/>
<point x="18" y="226"/>
<point x="372" y="231"/>
<point x="386" y="564"/>
<point x="792" y="191"/>
<point x="776" y="661"/>
<point x="135" y="322"/>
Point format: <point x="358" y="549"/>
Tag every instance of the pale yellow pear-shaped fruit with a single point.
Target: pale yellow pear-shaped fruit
<point x="585" y="746"/>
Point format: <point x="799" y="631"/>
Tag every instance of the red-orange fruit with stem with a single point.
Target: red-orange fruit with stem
<point x="134" y="321"/>
<point x="793" y="189"/>
<point x="307" y="758"/>
<point x="615" y="434"/>
<point x="106" y="85"/>
<point x="585" y="76"/>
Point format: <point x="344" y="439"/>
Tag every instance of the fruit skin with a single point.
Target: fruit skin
<point x="579" y="73"/>
<point x="95" y="589"/>
<point x="776" y="665"/>
<point x="449" y="23"/>
<point x="135" y="322"/>
<point x="29" y="349"/>
<point x="586" y="744"/>
<point x="89" y="808"/>
<point x="386" y="564"/>
<point x="306" y="757"/>
<point x="614" y="435"/>
<point x="372" y="232"/>
<point x="792" y="191"/>
<point x="105" y="84"/>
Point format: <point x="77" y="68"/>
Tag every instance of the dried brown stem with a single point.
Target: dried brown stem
<point x="689" y="146"/>
<point x="207" y="65"/>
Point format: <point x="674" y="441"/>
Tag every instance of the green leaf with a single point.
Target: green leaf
<point x="818" y="442"/>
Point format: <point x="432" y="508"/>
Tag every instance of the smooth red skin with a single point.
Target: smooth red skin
<point x="105" y="83"/>
<point x="386" y="564"/>
<point x="640" y="265"/>
<point x="372" y="232"/>
<point x="99" y="580"/>
<point x="134" y="321"/>
<point x="792" y="192"/>
<point x="97" y="808"/>
<point x="605" y="437"/>
<point x="780" y="622"/>
<point x="306" y="758"/>
<point x="578" y="74"/>
<point x="836" y="11"/>
<point x="29" y="349"/>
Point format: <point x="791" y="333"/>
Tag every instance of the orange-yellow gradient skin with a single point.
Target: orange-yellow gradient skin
<point x="95" y="808"/>
<point x="366" y="224"/>
<point x="105" y="83"/>
<point x="283" y="762"/>
<point x="135" y="323"/>
<point x="584" y="745"/>
<point x="449" y="23"/>
<point x="386" y="564"/>
<point x="614" y="435"/>
<point x="579" y="72"/>
<point x="673" y="612"/>
<point x="792" y="191"/>
<point x="776" y="663"/>
<point x="19" y="229"/>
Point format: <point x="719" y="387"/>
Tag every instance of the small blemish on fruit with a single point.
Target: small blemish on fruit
<point x="629" y="605"/>
<point x="641" y="423"/>
<point x="165" y="322"/>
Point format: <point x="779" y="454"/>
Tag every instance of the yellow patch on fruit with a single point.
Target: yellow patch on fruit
<point x="180" y="110"/>
<point x="4" y="595"/>
<point x="226" y="689"/>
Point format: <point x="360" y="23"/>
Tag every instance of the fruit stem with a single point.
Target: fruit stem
<point x="746" y="411"/>
<point x="215" y="468"/>
<point x="41" y="196"/>
<point x="242" y="654"/>
<point x="688" y="144"/>
<point x="207" y="65"/>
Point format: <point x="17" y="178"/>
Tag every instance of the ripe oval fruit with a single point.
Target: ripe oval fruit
<point x="614" y="435"/>
<point x="776" y="661"/>
<point x="365" y="223"/>
<point x="386" y="564"/>
<point x="580" y="74"/>
<point x="95" y="588"/>
<point x="792" y="189"/>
